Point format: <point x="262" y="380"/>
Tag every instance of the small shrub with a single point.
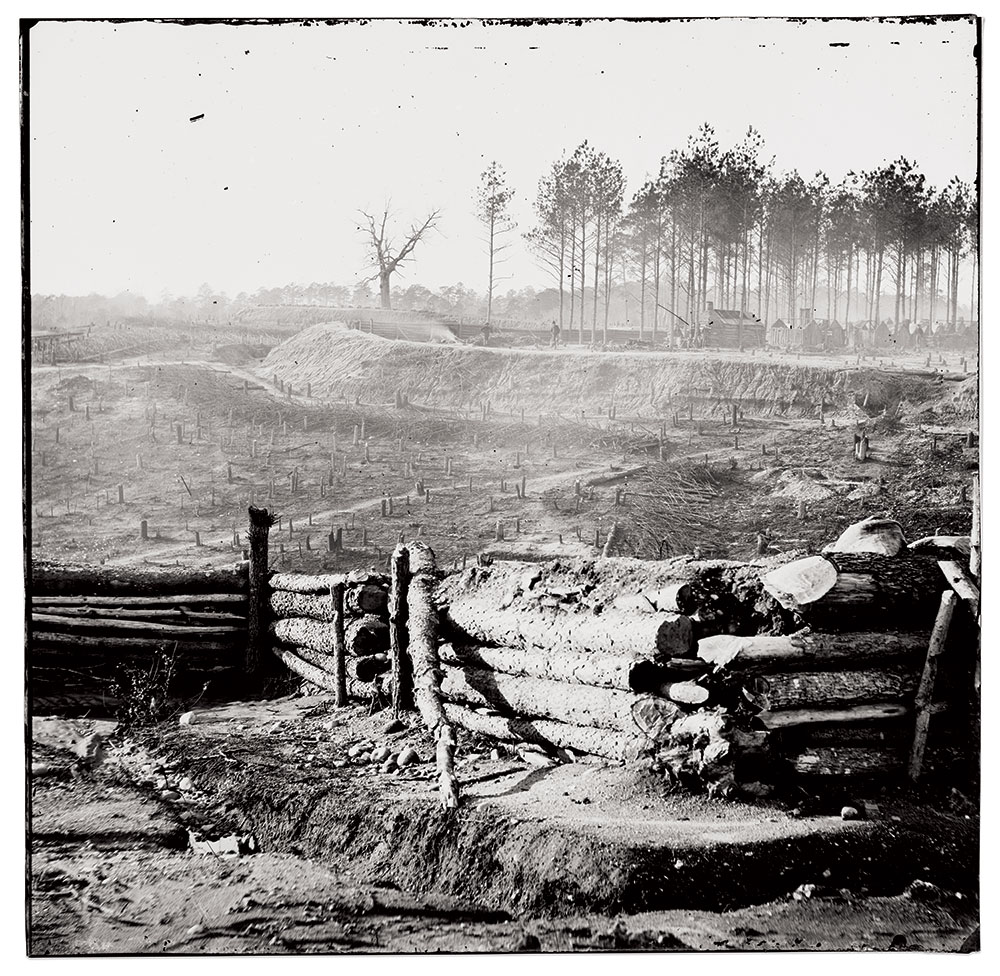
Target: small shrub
<point x="142" y="690"/>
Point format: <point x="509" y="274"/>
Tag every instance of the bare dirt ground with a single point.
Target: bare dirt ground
<point x="114" y="868"/>
<point x="111" y="867"/>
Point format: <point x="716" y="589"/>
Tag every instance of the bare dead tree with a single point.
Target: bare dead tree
<point x="381" y="247"/>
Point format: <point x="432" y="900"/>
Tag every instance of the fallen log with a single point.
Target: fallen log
<point x="816" y="688"/>
<point x="652" y="636"/>
<point x="855" y="714"/>
<point x="422" y="623"/>
<point x="573" y="704"/>
<point x="320" y="584"/>
<point x="285" y="603"/>
<point x="54" y="622"/>
<point x="181" y="601"/>
<point x="849" y="762"/>
<point x="809" y="651"/>
<point x="53" y="578"/>
<point x="608" y="744"/>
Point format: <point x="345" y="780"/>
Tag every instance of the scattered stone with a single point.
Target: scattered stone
<point x="850" y="813"/>
<point x="389" y="765"/>
<point x="396" y="725"/>
<point x="170" y="795"/>
<point x="339" y="763"/>
<point x="186" y="784"/>
<point x="358" y="748"/>
<point x="496" y="754"/>
<point x="408" y="757"/>
<point x="538" y="759"/>
<point x="90" y="749"/>
<point x="381" y="754"/>
<point x="188" y="718"/>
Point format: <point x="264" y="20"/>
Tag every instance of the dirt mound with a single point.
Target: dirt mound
<point x="338" y="362"/>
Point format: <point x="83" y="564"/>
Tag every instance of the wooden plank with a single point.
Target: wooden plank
<point x="797" y="717"/>
<point x="960" y="582"/>
<point x="54" y="621"/>
<point x="181" y="600"/>
<point x="925" y="693"/>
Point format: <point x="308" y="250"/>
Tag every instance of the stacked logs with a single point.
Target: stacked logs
<point x="723" y="673"/>
<point x="590" y="657"/>
<point x="87" y="622"/>
<point x="304" y="628"/>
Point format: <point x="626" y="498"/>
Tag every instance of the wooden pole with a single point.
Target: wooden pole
<point x="975" y="551"/>
<point x="402" y="670"/>
<point x="261" y="521"/>
<point x="925" y="693"/>
<point x="339" y="645"/>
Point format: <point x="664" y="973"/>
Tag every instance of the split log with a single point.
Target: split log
<point x="181" y="601"/>
<point x="320" y="584"/>
<point x="877" y="535"/>
<point x="339" y="649"/>
<point x="851" y="715"/>
<point x="53" y="578"/>
<point x="898" y="591"/>
<point x="64" y="624"/>
<point x="402" y="672"/>
<point x="849" y="762"/>
<point x="618" y="672"/>
<point x="422" y="619"/>
<point x="810" y="651"/>
<point x="536" y="698"/>
<point x="608" y="744"/>
<point x="816" y="688"/>
<point x="644" y="637"/>
<point x="260" y="522"/>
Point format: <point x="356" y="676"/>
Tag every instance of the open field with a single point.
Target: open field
<point x="341" y="432"/>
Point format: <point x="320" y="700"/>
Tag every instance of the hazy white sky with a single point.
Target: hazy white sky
<point x="304" y="125"/>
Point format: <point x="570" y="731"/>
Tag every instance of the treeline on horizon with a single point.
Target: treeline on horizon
<point x="714" y="225"/>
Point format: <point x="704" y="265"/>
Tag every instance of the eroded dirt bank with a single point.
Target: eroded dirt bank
<point x="349" y="858"/>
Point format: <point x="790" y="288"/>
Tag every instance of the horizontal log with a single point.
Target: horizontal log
<point x="653" y="636"/>
<point x="900" y="592"/>
<point x="732" y="589"/>
<point x="599" y="670"/>
<point x="536" y="698"/>
<point x="161" y="616"/>
<point x="849" y="762"/>
<point x="54" y="578"/>
<point x="816" y="688"/>
<point x="192" y="600"/>
<point x="285" y="603"/>
<point x="810" y="651"/>
<point x="367" y="599"/>
<point x="366" y="635"/>
<point x="320" y="676"/>
<point x="608" y="744"/>
<point x="320" y="584"/>
<point x="850" y="715"/>
<point x="51" y="621"/>
<point x="42" y="639"/>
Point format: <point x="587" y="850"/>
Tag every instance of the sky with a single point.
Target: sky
<point x="298" y="127"/>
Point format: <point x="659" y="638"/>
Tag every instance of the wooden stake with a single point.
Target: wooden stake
<point x="261" y="521"/>
<point x="339" y="646"/>
<point x="925" y="694"/>
<point x="975" y="551"/>
<point x="402" y="670"/>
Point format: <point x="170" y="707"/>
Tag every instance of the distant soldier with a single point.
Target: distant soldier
<point x="486" y="334"/>
<point x="555" y="334"/>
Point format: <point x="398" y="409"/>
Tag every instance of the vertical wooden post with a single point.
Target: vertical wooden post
<point x="339" y="646"/>
<point x="975" y="553"/>
<point x="261" y="521"/>
<point x="402" y="671"/>
<point x="121" y="494"/>
<point x="143" y="529"/>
